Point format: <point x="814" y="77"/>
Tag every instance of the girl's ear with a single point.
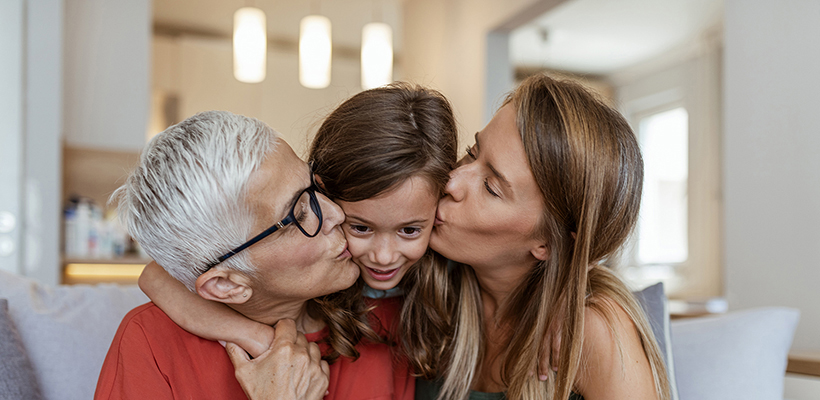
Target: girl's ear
<point x="224" y="286"/>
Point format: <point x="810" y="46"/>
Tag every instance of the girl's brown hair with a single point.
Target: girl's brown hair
<point x="369" y="145"/>
<point x="380" y="137"/>
<point x="588" y="168"/>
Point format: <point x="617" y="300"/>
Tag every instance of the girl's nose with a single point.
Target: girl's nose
<point x="383" y="253"/>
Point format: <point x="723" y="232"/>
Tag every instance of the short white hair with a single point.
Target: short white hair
<point x="185" y="203"/>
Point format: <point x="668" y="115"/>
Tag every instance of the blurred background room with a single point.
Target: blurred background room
<point x="723" y="95"/>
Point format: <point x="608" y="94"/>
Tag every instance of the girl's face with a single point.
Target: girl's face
<point x="388" y="233"/>
<point x="492" y="203"/>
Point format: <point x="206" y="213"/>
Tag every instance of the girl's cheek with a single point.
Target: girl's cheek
<point x="417" y="250"/>
<point x="356" y="246"/>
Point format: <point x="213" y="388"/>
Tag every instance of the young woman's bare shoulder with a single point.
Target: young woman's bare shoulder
<point x="613" y="362"/>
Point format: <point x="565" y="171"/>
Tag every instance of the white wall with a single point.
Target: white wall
<point x="43" y="132"/>
<point x="445" y="46"/>
<point x="107" y="76"/>
<point x="30" y="108"/>
<point x="772" y="158"/>
<point x="11" y="131"/>
<point x="199" y="71"/>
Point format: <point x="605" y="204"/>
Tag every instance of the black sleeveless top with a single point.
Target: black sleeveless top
<point x="428" y="390"/>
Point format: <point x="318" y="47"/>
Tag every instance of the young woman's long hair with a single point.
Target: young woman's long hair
<point x="588" y="168"/>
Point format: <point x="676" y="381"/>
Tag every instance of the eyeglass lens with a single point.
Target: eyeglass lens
<point x="307" y="213"/>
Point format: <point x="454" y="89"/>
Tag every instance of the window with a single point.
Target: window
<point x="663" y="226"/>
<point x="676" y="115"/>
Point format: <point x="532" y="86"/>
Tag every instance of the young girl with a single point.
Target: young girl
<point x="384" y="156"/>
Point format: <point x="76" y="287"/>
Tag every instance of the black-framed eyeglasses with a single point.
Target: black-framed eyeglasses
<point x="305" y="213"/>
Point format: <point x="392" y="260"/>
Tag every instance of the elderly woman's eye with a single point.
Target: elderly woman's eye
<point x="300" y="213"/>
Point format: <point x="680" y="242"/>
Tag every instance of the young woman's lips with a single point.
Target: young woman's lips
<point x="381" y="275"/>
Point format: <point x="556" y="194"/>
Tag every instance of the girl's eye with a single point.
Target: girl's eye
<point x="360" y="229"/>
<point x="489" y="189"/>
<point x="410" y="231"/>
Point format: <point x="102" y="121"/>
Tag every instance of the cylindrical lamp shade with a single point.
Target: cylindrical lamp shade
<point x="377" y="55"/>
<point x="314" y="52"/>
<point x="250" y="45"/>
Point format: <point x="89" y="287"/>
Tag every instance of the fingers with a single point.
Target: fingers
<point x="551" y="349"/>
<point x="325" y="367"/>
<point x="315" y="352"/>
<point x="301" y="341"/>
<point x="238" y="356"/>
<point x="284" y="332"/>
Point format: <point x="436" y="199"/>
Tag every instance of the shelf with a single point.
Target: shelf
<point x="125" y="270"/>
<point x="804" y="363"/>
<point x="112" y="261"/>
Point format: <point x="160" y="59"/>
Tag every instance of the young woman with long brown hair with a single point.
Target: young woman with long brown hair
<point x="547" y="195"/>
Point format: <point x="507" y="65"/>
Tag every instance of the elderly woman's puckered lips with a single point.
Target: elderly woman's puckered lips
<point x="344" y="254"/>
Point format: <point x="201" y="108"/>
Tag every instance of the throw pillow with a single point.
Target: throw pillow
<point x="654" y="303"/>
<point x="739" y="355"/>
<point x="67" y="330"/>
<point x="17" y="379"/>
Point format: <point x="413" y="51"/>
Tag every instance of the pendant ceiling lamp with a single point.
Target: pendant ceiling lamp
<point x="377" y="55"/>
<point x="250" y="45"/>
<point x="314" y="52"/>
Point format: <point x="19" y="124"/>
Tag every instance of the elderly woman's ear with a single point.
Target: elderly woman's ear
<point x="224" y="286"/>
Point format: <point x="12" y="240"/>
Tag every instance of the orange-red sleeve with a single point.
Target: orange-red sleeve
<point x="142" y="378"/>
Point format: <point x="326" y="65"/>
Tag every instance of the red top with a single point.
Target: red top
<point x="151" y="357"/>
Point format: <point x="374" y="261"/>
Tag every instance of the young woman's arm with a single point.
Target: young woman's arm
<point x="206" y="319"/>
<point x="603" y="373"/>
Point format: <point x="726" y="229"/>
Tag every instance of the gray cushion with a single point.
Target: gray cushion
<point x="17" y="380"/>
<point x="739" y="355"/>
<point x="654" y="303"/>
<point x="67" y="330"/>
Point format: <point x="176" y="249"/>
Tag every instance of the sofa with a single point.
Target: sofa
<point x="54" y="341"/>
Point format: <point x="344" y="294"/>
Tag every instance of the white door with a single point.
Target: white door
<point x="11" y="132"/>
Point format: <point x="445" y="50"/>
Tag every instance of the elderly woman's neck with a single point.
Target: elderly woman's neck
<point x="270" y="311"/>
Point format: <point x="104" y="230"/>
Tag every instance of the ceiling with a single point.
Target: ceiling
<point x="283" y="16"/>
<point x="604" y="36"/>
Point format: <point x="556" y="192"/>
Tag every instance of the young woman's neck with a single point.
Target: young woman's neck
<point x="497" y="283"/>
